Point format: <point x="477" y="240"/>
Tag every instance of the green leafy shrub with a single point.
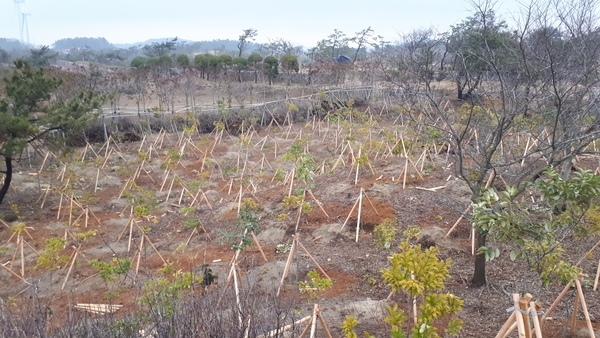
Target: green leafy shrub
<point x="50" y="257"/>
<point x="421" y="275"/>
<point x="314" y="284"/>
<point x="537" y="231"/>
<point x="384" y="233"/>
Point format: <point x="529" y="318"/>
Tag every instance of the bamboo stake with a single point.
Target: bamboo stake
<point x="573" y="319"/>
<point x="274" y="333"/>
<point x="230" y="187"/>
<point x="523" y="304"/>
<point x="525" y="152"/>
<point x="318" y="202"/>
<point x="349" y="214"/>
<point x="305" y="331"/>
<point x="166" y="176"/>
<point x="139" y="256"/>
<point x="171" y="187"/>
<point x="124" y="187"/>
<point x="313" y="327"/>
<point x="588" y="253"/>
<point x="258" y="245"/>
<point x="84" y="152"/>
<point x="324" y="326"/>
<point x="518" y="317"/>
<point x="371" y="203"/>
<point x="473" y="240"/>
<point x="597" y="277"/>
<point x="508" y="326"/>
<point x="298" y="216"/>
<point x="59" y="206"/>
<point x="240" y="200"/>
<point x="311" y="258"/>
<point x="22" y="257"/>
<point x="359" y="213"/>
<point x="537" y="328"/>
<point x="130" y="235"/>
<point x="292" y="181"/>
<point x="14" y="273"/>
<point x="288" y="264"/>
<point x="70" y="268"/>
<point x="405" y="164"/>
<point x="237" y="297"/>
<point x="43" y="163"/>
<point x="557" y="300"/>
<point x="105" y="159"/>
<point x="586" y="314"/>
<point x="357" y="165"/>
<point x="153" y="247"/>
<point x="45" y="195"/>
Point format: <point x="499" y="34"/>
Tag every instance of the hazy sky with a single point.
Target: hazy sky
<point x="301" y="22"/>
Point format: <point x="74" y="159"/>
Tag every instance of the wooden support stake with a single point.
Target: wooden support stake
<point x="258" y="245"/>
<point x="573" y="319"/>
<point x="518" y="316"/>
<point x="237" y="296"/>
<point x="508" y="326"/>
<point x="14" y="273"/>
<point x="357" y="165"/>
<point x="22" y="258"/>
<point x="324" y="325"/>
<point x="277" y="331"/>
<point x="557" y="300"/>
<point x="359" y="213"/>
<point x="597" y="277"/>
<point x="586" y="314"/>
<point x="533" y="312"/>
<point x="288" y="264"/>
<point x="139" y="256"/>
<point x="70" y="268"/>
<point x="588" y="253"/>
<point x="458" y="221"/>
<point x="313" y="327"/>
<point x="318" y="202"/>
<point x="349" y="214"/>
<point x="292" y="181"/>
<point x="312" y="259"/>
<point x="523" y="305"/>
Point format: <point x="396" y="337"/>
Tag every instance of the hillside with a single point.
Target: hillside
<point x="169" y="203"/>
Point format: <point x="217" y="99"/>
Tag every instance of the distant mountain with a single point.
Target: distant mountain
<point x="147" y="42"/>
<point x="189" y="46"/>
<point x="101" y="44"/>
<point x="91" y="43"/>
<point x="12" y="44"/>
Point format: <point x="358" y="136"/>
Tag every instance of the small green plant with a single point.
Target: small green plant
<point x="295" y="202"/>
<point x="50" y="257"/>
<point x="84" y="236"/>
<point x="161" y="294"/>
<point x="109" y="271"/>
<point x="421" y="275"/>
<point x="279" y="175"/>
<point x="246" y="224"/>
<point x="314" y="284"/>
<point x="384" y="233"/>
<point x="143" y="200"/>
<point x="167" y="268"/>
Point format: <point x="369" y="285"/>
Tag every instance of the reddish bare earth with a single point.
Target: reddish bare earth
<point x="211" y="173"/>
